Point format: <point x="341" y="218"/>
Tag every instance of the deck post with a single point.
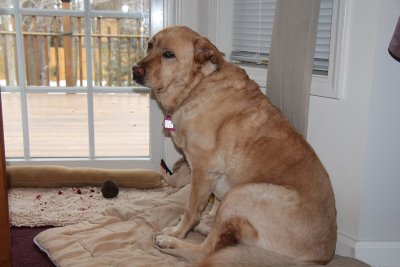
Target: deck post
<point x="67" y="38"/>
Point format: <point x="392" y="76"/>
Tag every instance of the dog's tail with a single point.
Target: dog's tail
<point x="240" y="255"/>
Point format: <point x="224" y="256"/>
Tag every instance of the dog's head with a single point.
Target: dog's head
<point x="177" y="60"/>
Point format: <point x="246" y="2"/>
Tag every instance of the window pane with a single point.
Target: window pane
<point x="7" y="3"/>
<point x="58" y="125"/>
<point x="54" y="50"/>
<point x="127" y="6"/>
<point x="121" y="123"/>
<point x="252" y="31"/>
<point x="12" y="121"/>
<point x="116" y="45"/>
<point x="53" y="4"/>
<point x="8" y="57"/>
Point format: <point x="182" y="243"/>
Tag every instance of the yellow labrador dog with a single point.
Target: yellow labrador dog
<point x="275" y="193"/>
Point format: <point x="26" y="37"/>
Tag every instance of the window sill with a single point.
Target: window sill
<point x="321" y="86"/>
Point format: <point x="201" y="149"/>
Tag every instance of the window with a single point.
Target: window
<point x="252" y="30"/>
<point x="242" y="30"/>
<point x="65" y="77"/>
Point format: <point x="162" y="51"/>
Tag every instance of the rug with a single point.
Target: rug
<point x="64" y="206"/>
<point x="22" y="244"/>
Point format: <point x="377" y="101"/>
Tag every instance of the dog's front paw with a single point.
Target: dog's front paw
<point x="173" y="231"/>
<point x="165" y="241"/>
<point x="169" y="231"/>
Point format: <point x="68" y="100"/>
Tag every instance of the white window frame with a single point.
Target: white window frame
<point x="331" y="86"/>
<point x="157" y="18"/>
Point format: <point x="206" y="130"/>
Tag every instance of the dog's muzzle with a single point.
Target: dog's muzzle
<point x="138" y="73"/>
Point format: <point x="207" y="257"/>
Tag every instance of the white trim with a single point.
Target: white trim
<point x="213" y="23"/>
<point x="111" y="163"/>
<point x="157" y="18"/>
<point x="157" y="15"/>
<point x="78" y="89"/>
<point x="259" y="75"/>
<point x="332" y="86"/>
<point x="221" y="32"/>
<point x="78" y="13"/>
<point x="173" y="12"/>
<point x="379" y="254"/>
<point x="345" y="245"/>
<point x="22" y="81"/>
<point x="172" y="16"/>
<point x="89" y="79"/>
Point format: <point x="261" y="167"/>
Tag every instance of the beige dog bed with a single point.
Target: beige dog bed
<point x="48" y="176"/>
<point x="123" y="236"/>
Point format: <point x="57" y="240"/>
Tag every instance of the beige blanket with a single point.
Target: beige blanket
<point x="123" y="236"/>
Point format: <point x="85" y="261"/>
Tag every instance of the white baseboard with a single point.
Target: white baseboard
<point x="376" y="254"/>
<point x="379" y="254"/>
<point x="345" y="245"/>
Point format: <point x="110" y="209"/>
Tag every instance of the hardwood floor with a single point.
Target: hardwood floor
<point x="58" y="125"/>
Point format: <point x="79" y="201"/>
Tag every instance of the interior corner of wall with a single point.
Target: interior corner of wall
<point x="345" y="245"/>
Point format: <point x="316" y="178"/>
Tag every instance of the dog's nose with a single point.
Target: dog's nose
<point x="138" y="73"/>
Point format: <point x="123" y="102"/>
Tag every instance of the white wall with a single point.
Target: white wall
<point x="380" y="210"/>
<point x="338" y="128"/>
<point x="357" y="137"/>
<point x="379" y="222"/>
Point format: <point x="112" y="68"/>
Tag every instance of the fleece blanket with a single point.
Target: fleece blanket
<point x="120" y="236"/>
<point x="123" y="236"/>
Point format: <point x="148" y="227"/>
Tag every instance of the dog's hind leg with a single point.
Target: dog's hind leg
<point x="225" y="233"/>
<point x="208" y="218"/>
<point x="228" y="244"/>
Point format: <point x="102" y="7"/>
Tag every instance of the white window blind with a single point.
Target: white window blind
<point x="252" y="30"/>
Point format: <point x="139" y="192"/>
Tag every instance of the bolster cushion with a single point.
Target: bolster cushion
<point x="49" y="176"/>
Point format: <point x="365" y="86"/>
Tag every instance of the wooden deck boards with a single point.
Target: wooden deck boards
<point x="58" y="125"/>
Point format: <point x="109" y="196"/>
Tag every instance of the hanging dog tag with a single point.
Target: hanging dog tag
<point x="168" y="125"/>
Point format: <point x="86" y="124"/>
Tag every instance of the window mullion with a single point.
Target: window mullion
<point x="22" y="79"/>
<point x="156" y="143"/>
<point x="90" y="90"/>
<point x="51" y="12"/>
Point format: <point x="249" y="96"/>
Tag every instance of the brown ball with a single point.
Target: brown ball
<point x="109" y="189"/>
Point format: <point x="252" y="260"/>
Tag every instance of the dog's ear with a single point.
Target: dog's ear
<point x="207" y="55"/>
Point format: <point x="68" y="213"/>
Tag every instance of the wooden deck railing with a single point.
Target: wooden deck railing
<point x="55" y="52"/>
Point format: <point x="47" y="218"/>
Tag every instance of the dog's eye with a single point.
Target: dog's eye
<point x="149" y="46"/>
<point x="168" y="54"/>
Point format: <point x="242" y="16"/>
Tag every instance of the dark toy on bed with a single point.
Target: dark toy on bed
<point x="109" y="189"/>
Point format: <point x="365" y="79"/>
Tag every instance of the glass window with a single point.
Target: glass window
<point x="121" y="125"/>
<point x="58" y="125"/>
<point x="252" y="30"/>
<point x="111" y="38"/>
<point x="8" y="57"/>
<point x="12" y="122"/>
<point x="54" y="50"/>
<point x="53" y="4"/>
<point x="126" y="6"/>
<point x="65" y="72"/>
